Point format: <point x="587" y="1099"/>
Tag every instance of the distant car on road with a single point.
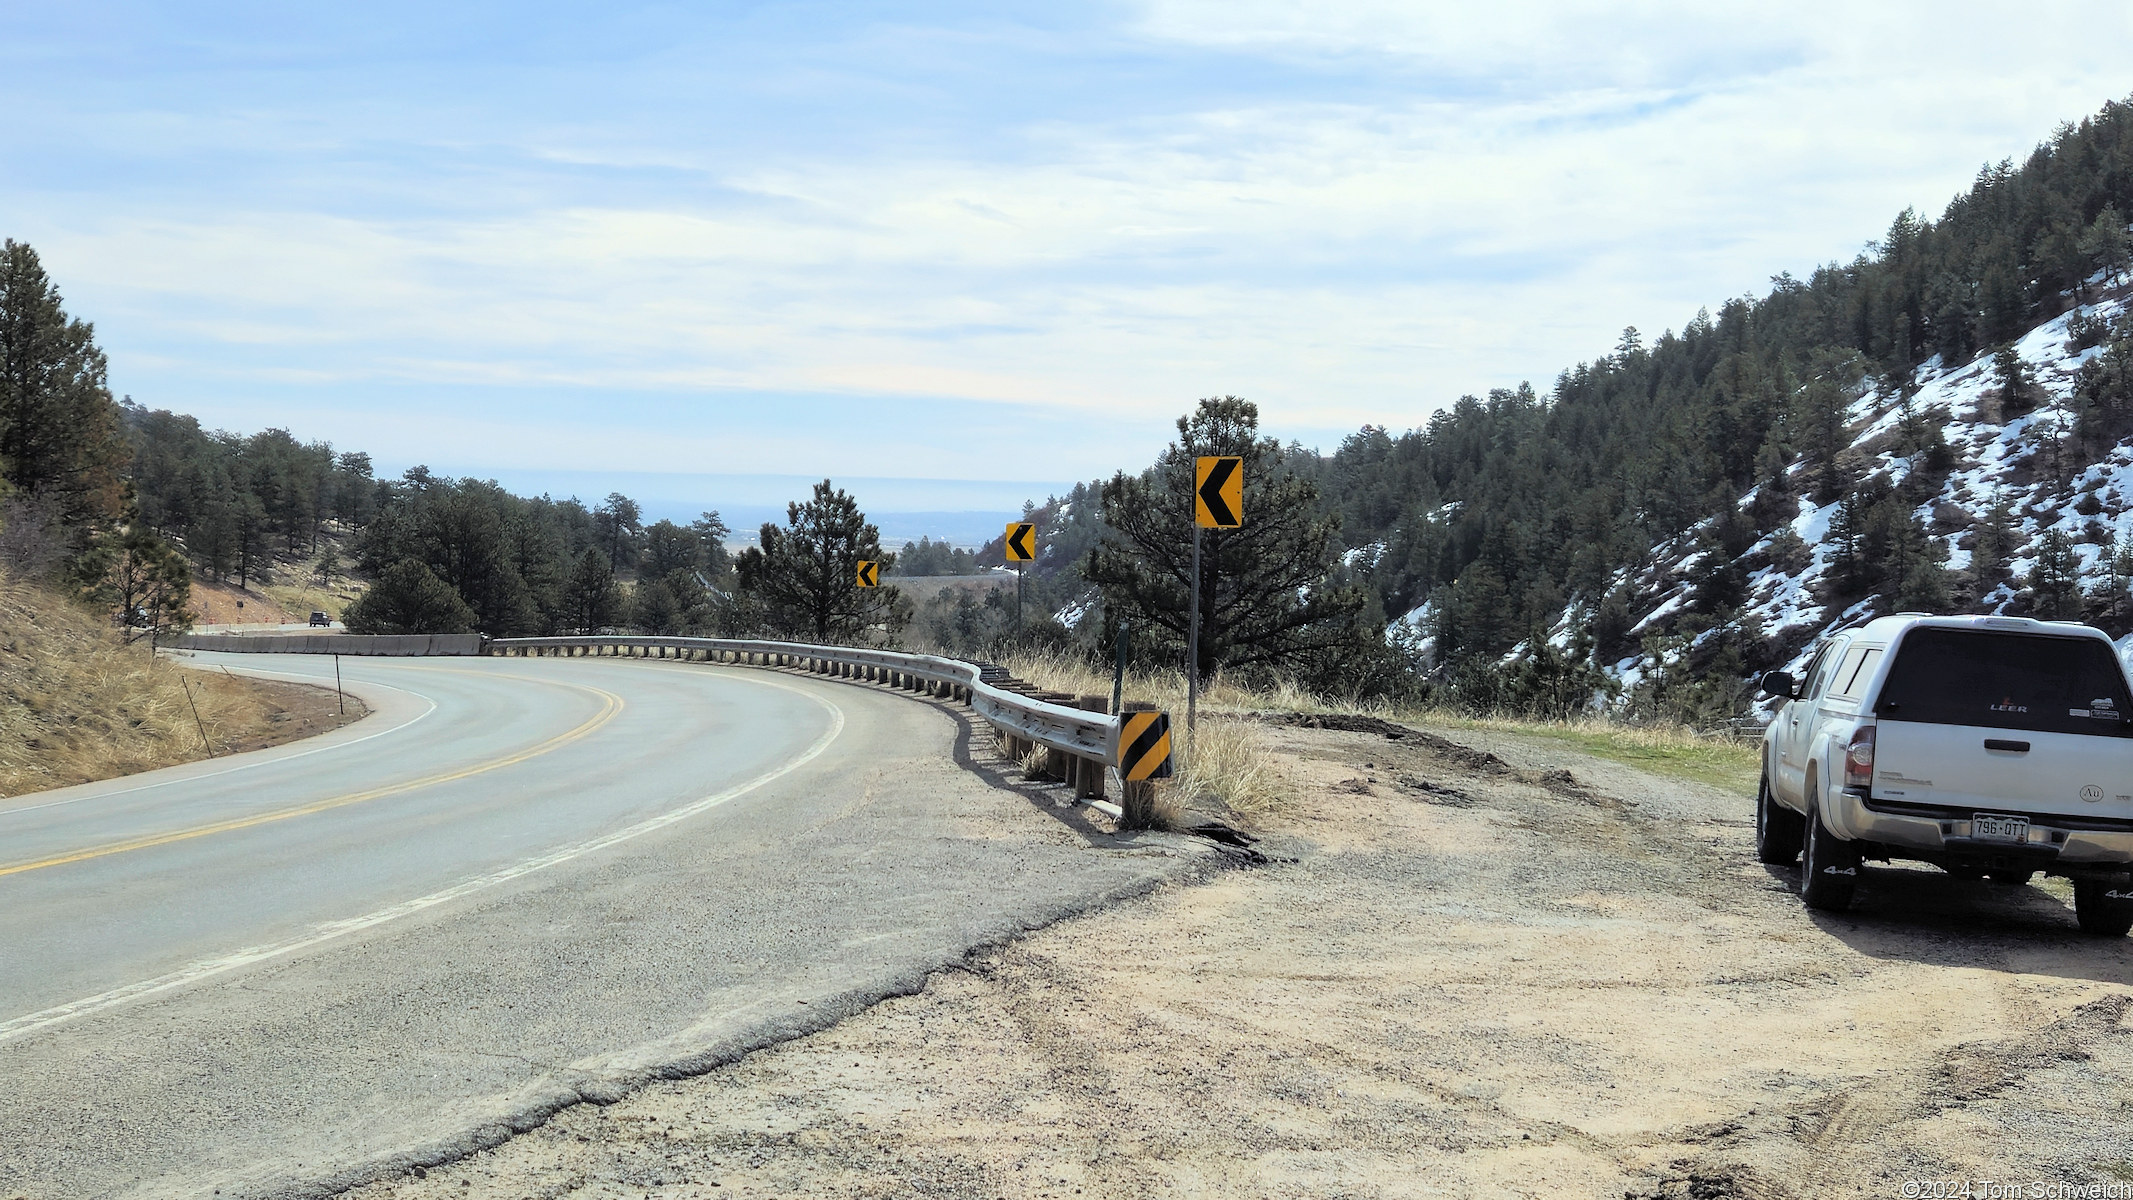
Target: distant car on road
<point x="319" y="618"/>
<point x="1989" y="746"/>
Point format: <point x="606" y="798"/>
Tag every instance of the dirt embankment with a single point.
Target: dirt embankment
<point x="1496" y="966"/>
<point x="78" y="703"/>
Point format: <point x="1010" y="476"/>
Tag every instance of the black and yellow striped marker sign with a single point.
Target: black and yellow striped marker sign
<point x="1144" y="743"/>
<point x="1021" y="541"/>
<point x="869" y="573"/>
<point x="1218" y="491"/>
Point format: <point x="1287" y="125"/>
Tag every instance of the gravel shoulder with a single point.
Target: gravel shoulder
<point x="1500" y="969"/>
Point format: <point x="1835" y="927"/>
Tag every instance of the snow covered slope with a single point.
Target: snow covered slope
<point x="2010" y="462"/>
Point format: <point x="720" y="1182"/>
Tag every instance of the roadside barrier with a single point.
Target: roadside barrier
<point x="366" y="645"/>
<point x="1079" y="739"/>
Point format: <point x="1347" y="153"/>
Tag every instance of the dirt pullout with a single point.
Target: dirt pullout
<point x="1561" y="977"/>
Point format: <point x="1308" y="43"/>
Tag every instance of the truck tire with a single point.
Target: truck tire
<point x="2104" y="909"/>
<point x="1829" y="866"/>
<point x="1777" y="829"/>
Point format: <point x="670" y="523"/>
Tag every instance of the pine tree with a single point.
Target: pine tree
<point x="2055" y="581"/>
<point x="2016" y="382"/>
<point x="1846" y="533"/>
<point x="591" y="600"/>
<point x="711" y="557"/>
<point x="1916" y="574"/>
<point x="618" y="520"/>
<point x="1266" y="591"/>
<point x="2106" y="246"/>
<point x="59" y="427"/>
<point x="803" y="574"/>
<point x="668" y="548"/>
<point x="2118" y="562"/>
<point x="142" y="578"/>
<point x="409" y="598"/>
<point x="1993" y="543"/>
<point x="1789" y="552"/>
<point x="249" y="540"/>
<point x="1824" y="404"/>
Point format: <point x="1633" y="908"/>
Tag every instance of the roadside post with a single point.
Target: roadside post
<point x="1118" y="669"/>
<point x="1021" y="548"/>
<point x="1217" y="503"/>
<point x="1143" y="758"/>
<point x="338" y="693"/>
<point x="197" y="722"/>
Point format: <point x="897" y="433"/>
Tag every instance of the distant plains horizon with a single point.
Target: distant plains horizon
<point x="962" y="512"/>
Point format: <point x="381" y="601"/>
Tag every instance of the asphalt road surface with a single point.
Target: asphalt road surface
<point x="521" y="883"/>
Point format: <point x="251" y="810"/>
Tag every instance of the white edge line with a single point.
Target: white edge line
<point x="257" y="762"/>
<point x="29" y="1023"/>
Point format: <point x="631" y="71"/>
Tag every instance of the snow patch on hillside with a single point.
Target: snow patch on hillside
<point x="1996" y="461"/>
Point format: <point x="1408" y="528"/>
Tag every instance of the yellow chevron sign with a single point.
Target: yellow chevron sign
<point x="869" y="573"/>
<point x="1218" y="491"/>
<point x="1021" y="541"/>
<point x="1144" y="746"/>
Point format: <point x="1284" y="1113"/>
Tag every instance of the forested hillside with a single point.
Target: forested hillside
<point x="1933" y="425"/>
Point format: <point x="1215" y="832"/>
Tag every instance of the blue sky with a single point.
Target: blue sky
<point x="959" y="254"/>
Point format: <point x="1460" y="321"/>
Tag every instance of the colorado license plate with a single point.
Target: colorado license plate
<point x="2004" y="829"/>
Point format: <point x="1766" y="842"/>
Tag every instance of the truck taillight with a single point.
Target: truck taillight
<point x="1859" y="758"/>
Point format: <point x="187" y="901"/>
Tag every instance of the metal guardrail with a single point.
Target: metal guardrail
<point x="1082" y="734"/>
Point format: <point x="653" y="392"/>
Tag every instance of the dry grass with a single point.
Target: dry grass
<point x="78" y="704"/>
<point x="1221" y="764"/>
<point x="1235" y="767"/>
<point x="299" y="602"/>
<point x="1228" y="762"/>
<point x="1668" y="749"/>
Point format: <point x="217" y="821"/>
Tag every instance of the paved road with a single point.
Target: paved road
<point x="519" y="883"/>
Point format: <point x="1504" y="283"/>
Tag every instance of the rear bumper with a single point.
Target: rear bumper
<point x="1935" y="833"/>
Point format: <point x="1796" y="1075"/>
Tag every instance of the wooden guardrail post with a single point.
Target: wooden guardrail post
<point x="1088" y="778"/>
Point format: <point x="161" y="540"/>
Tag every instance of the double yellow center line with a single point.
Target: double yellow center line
<point x="610" y="707"/>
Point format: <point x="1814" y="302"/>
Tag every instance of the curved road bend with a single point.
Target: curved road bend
<point x="519" y="883"/>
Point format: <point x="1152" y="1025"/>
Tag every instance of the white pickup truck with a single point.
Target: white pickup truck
<point x="1988" y="746"/>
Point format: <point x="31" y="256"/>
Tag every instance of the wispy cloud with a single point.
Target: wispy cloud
<point x="825" y="234"/>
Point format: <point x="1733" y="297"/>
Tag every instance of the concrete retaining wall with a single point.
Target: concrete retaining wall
<point x="333" y="643"/>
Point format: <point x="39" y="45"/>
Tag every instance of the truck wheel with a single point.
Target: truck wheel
<point x="1829" y="870"/>
<point x="1777" y="828"/>
<point x="2104" y="909"/>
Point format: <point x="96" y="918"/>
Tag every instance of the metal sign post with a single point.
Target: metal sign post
<point x="1020" y="546"/>
<point x="1217" y="503"/>
<point x="1118" y="671"/>
<point x="1192" y="644"/>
